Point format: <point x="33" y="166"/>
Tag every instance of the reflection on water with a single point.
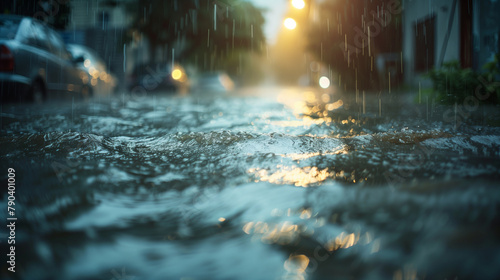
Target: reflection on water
<point x="300" y="177"/>
<point x="296" y="266"/>
<point x="245" y="187"/>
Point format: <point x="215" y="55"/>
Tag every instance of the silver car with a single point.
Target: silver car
<point x="102" y="81"/>
<point x="34" y="63"/>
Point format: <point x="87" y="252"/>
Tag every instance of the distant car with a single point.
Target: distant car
<point x="214" y="82"/>
<point x="158" y="77"/>
<point x="34" y="62"/>
<point x="101" y="80"/>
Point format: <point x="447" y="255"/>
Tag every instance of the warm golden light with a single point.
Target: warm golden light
<point x="290" y="23"/>
<point x="86" y="63"/>
<point x="297" y="263"/>
<point x="282" y="233"/>
<point x="176" y="74"/>
<point x="298" y="4"/>
<point x="300" y="177"/>
<point x="324" y="82"/>
<point x="342" y="241"/>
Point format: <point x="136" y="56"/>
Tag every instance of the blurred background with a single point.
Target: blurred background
<point x="280" y="42"/>
<point x="251" y="139"/>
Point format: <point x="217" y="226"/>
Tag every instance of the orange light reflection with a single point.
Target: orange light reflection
<point x="300" y="177"/>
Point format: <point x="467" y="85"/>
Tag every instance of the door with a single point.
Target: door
<point x="425" y="46"/>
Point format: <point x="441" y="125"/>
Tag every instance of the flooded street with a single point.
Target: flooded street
<point x="267" y="183"/>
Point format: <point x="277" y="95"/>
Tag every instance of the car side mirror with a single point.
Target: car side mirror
<point x="79" y="60"/>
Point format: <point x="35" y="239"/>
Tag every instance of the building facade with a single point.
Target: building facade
<point x="439" y="31"/>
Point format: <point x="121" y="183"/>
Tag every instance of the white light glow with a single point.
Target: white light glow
<point x="290" y="23"/>
<point x="324" y="82"/>
<point x="299" y="4"/>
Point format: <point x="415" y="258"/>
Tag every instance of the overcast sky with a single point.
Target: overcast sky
<point x="274" y="15"/>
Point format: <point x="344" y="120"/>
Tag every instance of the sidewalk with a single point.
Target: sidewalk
<point x="407" y="105"/>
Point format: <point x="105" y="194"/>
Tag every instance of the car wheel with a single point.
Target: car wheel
<point x="37" y="93"/>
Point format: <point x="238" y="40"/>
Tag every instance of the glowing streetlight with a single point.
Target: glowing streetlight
<point x="176" y="74"/>
<point x="298" y="4"/>
<point x="324" y="82"/>
<point x="290" y="23"/>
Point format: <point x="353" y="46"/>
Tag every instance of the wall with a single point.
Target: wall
<point x="89" y="13"/>
<point x="486" y="31"/>
<point x="417" y="10"/>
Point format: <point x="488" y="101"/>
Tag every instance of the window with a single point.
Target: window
<point x="425" y="47"/>
<point x="35" y="35"/>
<point x="8" y="28"/>
<point x="58" y="47"/>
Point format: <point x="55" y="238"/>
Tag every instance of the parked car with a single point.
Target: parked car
<point x="158" y="77"/>
<point x="214" y="82"/>
<point x="35" y="64"/>
<point x="101" y="80"/>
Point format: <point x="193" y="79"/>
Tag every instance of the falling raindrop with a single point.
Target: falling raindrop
<point x="369" y="43"/>
<point x="234" y="29"/>
<point x="215" y="17"/>
<point x="427" y="111"/>
<point x="419" y="92"/>
<point x="401" y="62"/>
<point x="455" y="115"/>
<point x="194" y="21"/>
<point x="103" y="21"/>
<point x="321" y="55"/>
<point x="173" y="58"/>
<point x="124" y="57"/>
<point x="379" y="107"/>
<point x="389" y="73"/>
<point x="345" y="42"/>
<point x="364" y="103"/>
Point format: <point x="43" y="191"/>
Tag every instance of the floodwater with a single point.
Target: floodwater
<point x="278" y="183"/>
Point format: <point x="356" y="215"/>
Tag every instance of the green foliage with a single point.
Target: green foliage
<point x="206" y="33"/>
<point x="490" y="77"/>
<point x="453" y="84"/>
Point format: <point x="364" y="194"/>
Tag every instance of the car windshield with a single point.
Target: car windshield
<point x="8" y="28"/>
<point x="86" y="53"/>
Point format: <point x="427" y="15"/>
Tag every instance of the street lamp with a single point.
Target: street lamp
<point x="298" y="4"/>
<point x="290" y="23"/>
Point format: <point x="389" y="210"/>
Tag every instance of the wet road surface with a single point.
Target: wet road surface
<point x="277" y="183"/>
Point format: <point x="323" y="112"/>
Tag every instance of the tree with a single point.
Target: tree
<point x="212" y="34"/>
<point x="55" y="13"/>
<point x="350" y="34"/>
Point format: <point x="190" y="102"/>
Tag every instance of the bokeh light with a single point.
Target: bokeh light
<point x="290" y="23"/>
<point x="324" y="82"/>
<point x="299" y="4"/>
<point x="176" y="74"/>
